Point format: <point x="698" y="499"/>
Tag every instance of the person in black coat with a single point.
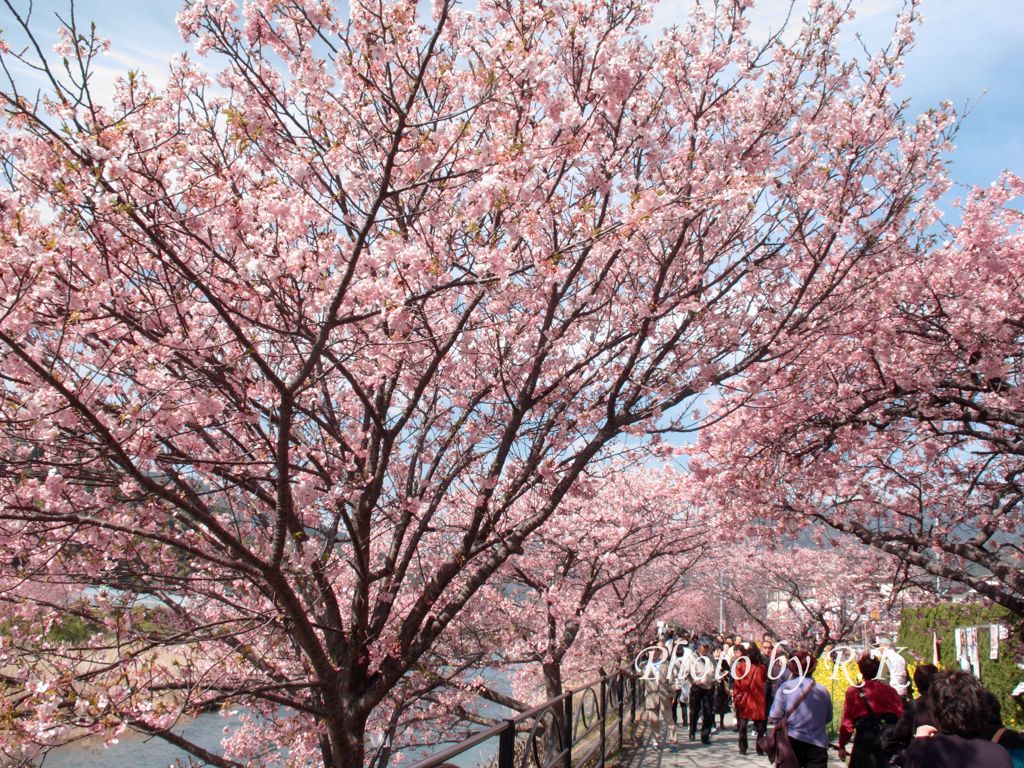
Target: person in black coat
<point x="960" y="709"/>
<point x="994" y="730"/>
<point x="915" y="713"/>
<point x="721" y="700"/>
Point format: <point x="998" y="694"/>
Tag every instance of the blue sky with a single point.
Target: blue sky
<point x="967" y="50"/>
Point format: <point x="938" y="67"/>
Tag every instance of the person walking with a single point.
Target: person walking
<point x="659" y="694"/>
<point x="701" y="672"/>
<point x="750" y="675"/>
<point x="681" y="699"/>
<point x="993" y="730"/>
<point x="663" y="721"/>
<point x="962" y="711"/>
<point x="769" y="656"/>
<point x="867" y="709"/>
<point x="915" y="713"/>
<point x="894" y="669"/>
<point x="721" y="690"/>
<point x="807" y="708"/>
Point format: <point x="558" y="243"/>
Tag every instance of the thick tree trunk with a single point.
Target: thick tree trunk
<point x="347" y="736"/>
<point x="553" y="688"/>
<point x="552" y="679"/>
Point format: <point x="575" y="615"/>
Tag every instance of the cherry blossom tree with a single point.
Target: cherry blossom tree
<point x="900" y="425"/>
<point x="812" y="596"/>
<point x="696" y="608"/>
<point x="297" y="356"/>
<point x="599" y="575"/>
<point x="585" y="594"/>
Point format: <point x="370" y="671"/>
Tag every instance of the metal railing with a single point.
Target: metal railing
<point x="581" y="727"/>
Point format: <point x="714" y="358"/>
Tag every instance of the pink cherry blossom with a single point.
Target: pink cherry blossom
<point x="304" y="357"/>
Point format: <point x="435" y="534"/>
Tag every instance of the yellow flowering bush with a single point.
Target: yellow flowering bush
<point x="837" y="678"/>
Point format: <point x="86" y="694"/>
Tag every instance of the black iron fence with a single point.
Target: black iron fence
<point x="581" y="727"/>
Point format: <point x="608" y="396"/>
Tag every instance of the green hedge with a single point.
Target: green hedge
<point x="1000" y="676"/>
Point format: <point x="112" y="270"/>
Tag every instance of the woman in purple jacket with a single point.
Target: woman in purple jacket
<point x="811" y="711"/>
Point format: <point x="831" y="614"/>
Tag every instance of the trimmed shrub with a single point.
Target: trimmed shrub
<point x="1000" y="675"/>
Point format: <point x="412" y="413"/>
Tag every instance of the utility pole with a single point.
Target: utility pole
<point x="721" y="603"/>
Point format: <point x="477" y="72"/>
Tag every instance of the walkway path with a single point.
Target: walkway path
<point x="722" y="752"/>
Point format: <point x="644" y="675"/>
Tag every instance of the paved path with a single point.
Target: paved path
<point x="722" y="752"/>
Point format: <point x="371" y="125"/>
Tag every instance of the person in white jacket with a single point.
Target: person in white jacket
<point x="700" y="669"/>
<point x="681" y="701"/>
<point x="660" y="692"/>
<point x="894" y="669"/>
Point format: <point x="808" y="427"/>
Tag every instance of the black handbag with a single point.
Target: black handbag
<point x="775" y="744"/>
<point x="896" y="738"/>
<point x="867" y="744"/>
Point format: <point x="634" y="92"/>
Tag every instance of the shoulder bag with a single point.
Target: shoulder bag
<point x="776" y="744"/>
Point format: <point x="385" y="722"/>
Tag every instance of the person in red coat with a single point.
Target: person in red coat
<point x="750" y="676"/>
<point x="871" y="701"/>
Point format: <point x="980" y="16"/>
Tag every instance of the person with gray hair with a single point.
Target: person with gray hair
<point x="894" y="668"/>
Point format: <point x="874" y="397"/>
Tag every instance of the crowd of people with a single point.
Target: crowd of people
<point x="940" y="719"/>
<point x="700" y="685"/>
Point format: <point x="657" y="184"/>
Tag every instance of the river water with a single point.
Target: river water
<point x="136" y="751"/>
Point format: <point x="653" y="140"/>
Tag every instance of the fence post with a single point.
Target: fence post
<point x="507" y="745"/>
<point x="568" y="730"/>
<point x="604" y="716"/>
<point x="632" y="699"/>
<point x="622" y="705"/>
